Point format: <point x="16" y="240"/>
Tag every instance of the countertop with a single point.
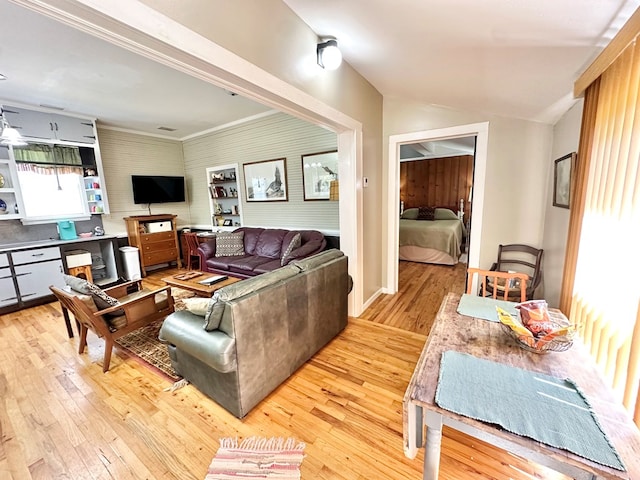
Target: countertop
<point x="12" y="247"/>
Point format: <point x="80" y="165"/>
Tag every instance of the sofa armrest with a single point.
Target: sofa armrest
<point x="185" y="331"/>
<point x="207" y="249"/>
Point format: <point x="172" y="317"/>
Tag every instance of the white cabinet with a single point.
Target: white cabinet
<point x="9" y="194"/>
<point x="8" y="294"/>
<point x="35" y="270"/>
<point x="52" y="126"/>
<point x="225" y="200"/>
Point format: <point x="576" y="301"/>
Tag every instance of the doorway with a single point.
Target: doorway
<point x="478" y="130"/>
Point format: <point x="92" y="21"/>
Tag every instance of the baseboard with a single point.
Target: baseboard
<point x="371" y="299"/>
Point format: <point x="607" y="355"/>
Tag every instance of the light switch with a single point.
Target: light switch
<point x="365" y="182"/>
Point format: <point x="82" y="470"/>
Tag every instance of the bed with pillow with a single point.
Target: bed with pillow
<point x="430" y="235"/>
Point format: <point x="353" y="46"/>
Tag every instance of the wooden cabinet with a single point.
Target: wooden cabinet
<point x="156" y="238"/>
<point x="50" y="126"/>
<point x="225" y="198"/>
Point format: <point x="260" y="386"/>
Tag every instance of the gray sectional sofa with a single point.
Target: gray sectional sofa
<point x="259" y="331"/>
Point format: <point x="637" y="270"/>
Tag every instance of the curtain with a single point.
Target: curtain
<point x="600" y="287"/>
<point x="57" y="155"/>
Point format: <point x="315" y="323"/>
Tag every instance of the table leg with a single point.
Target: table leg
<point x="432" y="448"/>
<point x="414" y="430"/>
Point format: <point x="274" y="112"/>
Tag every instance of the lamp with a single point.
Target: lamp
<point x="329" y="55"/>
<point x="10" y="136"/>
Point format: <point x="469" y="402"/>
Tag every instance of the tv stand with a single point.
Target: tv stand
<point x="156" y="238"/>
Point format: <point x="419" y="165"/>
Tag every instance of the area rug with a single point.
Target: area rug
<point x="257" y="457"/>
<point x="143" y="343"/>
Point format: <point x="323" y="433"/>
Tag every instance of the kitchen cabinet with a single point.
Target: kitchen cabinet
<point x="49" y="126"/>
<point x="8" y="294"/>
<point x="224" y="197"/>
<point x="156" y="238"/>
<point x="35" y="270"/>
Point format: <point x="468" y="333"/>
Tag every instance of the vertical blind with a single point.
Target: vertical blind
<point x="605" y="227"/>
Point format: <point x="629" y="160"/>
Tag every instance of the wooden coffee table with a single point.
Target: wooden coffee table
<point x="192" y="283"/>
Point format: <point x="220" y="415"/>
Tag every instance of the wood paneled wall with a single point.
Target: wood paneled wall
<point x="437" y="182"/>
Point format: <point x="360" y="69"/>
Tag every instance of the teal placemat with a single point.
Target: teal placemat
<point x="483" y="307"/>
<point x="547" y="409"/>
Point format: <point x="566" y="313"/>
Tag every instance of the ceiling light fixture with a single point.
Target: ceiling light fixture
<point x="329" y="55"/>
<point x="10" y="136"/>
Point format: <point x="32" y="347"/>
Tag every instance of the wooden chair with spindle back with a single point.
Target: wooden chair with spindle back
<point x="499" y="285"/>
<point x="193" y="258"/>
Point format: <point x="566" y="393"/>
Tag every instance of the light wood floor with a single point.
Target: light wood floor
<point x="62" y="418"/>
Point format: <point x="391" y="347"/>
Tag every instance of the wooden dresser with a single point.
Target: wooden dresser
<point x="156" y="237"/>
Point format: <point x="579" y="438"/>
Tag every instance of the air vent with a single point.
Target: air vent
<point x="167" y="129"/>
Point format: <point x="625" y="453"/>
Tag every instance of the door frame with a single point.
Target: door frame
<point x="481" y="132"/>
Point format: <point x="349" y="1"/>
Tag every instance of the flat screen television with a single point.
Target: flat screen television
<point x="157" y="189"/>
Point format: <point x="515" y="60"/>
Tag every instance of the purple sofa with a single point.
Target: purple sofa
<point x="263" y="251"/>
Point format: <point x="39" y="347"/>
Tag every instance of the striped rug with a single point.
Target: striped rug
<point x="257" y="457"/>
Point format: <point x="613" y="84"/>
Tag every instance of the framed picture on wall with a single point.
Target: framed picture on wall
<point x="562" y="180"/>
<point x="266" y="181"/>
<point x="318" y="171"/>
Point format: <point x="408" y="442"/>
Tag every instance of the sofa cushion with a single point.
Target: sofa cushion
<point x="229" y="244"/>
<point x="251" y="236"/>
<point x="197" y="305"/>
<point x="270" y="243"/>
<point x="270" y="266"/>
<point x="246" y="263"/>
<point x="294" y="243"/>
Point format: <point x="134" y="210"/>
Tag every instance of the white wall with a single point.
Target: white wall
<point x="267" y="138"/>
<point x="516" y="175"/>
<point x="566" y="135"/>
<point x="125" y="154"/>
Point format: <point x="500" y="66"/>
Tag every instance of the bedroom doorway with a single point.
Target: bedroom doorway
<point x="478" y="131"/>
<point x="437" y="174"/>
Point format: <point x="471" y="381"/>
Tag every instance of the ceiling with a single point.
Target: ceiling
<point x="515" y="58"/>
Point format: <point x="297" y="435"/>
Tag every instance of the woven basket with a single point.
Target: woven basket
<point x="556" y="344"/>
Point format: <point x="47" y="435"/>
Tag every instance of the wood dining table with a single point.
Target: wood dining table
<point x="486" y="339"/>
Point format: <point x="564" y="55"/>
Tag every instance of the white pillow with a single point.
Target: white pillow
<point x="197" y="305"/>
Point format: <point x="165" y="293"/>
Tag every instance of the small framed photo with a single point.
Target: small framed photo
<point x="318" y="171"/>
<point x="562" y="180"/>
<point x="266" y="181"/>
<point x="228" y="222"/>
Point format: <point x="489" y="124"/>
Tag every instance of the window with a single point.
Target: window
<point x="51" y="182"/>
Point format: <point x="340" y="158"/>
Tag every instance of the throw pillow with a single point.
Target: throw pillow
<point x="197" y="305"/>
<point x="426" y="213"/>
<point x="78" y="285"/>
<point x="103" y="300"/>
<point x="295" y="242"/>
<point x="410" y="214"/>
<point x="213" y="315"/>
<point x="229" y="244"/>
<point x="445" y="214"/>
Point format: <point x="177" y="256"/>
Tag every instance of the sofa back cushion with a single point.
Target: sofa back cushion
<point x="270" y="242"/>
<point x="251" y="236"/>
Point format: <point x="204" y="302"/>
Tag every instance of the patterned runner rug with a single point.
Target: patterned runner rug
<point x="257" y="457"/>
<point x="144" y="344"/>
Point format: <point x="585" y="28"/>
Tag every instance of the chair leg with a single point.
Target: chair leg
<point x="83" y="338"/>
<point x="108" y="347"/>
